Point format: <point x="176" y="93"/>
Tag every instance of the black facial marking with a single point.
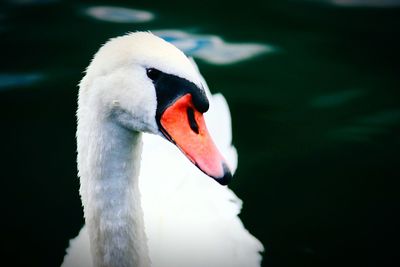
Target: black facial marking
<point x="224" y="180"/>
<point x="153" y="74"/>
<point x="192" y="120"/>
<point x="170" y="87"/>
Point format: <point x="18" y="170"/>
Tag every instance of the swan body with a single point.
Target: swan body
<point x="145" y="204"/>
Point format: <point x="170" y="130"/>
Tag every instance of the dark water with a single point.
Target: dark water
<point x="316" y="116"/>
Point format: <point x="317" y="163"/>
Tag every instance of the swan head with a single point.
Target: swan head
<point x="146" y="84"/>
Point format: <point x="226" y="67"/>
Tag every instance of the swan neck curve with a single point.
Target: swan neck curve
<point x="108" y="164"/>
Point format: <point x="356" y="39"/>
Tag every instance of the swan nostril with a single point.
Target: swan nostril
<point x="192" y="120"/>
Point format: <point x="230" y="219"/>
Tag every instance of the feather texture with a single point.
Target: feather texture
<point x="189" y="219"/>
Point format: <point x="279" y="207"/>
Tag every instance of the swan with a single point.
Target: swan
<point x="144" y="203"/>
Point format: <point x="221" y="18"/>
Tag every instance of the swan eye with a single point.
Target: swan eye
<point x="153" y="74"/>
<point x="192" y="120"/>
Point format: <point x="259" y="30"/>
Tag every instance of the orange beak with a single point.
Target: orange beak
<point x="184" y="126"/>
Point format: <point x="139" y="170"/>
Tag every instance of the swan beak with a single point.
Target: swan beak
<point x="184" y="126"/>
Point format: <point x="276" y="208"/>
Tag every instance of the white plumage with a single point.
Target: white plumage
<point x="189" y="219"/>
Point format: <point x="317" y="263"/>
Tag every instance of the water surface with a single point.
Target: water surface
<point x="313" y="88"/>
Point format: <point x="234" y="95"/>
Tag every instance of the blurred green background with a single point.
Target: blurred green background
<point x="316" y="118"/>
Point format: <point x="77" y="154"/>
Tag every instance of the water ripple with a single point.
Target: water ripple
<point x="366" y="128"/>
<point x="11" y="80"/>
<point x="335" y="99"/>
<point x="119" y="14"/>
<point x="32" y="2"/>
<point x="366" y="3"/>
<point x="212" y="48"/>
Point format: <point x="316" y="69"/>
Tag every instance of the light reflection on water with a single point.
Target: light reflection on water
<point x="12" y="80"/>
<point x="364" y="129"/>
<point x="357" y="133"/>
<point x="119" y="14"/>
<point x="336" y="99"/>
<point x="361" y="3"/>
<point x="212" y="48"/>
<point x="32" y="2"/>
<point x="386" y="117"/>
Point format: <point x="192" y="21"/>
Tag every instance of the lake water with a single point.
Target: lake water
<point x="313" y="88"/>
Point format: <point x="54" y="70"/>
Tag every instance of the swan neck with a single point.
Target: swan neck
<point x="108" y="163"/>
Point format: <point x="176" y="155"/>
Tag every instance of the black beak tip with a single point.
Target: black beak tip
<point x="224" y="180"/>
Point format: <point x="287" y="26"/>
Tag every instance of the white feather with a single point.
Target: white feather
<point x="189" y="219"/>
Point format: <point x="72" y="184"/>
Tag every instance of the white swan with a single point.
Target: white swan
<point x="168" y="214"/>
